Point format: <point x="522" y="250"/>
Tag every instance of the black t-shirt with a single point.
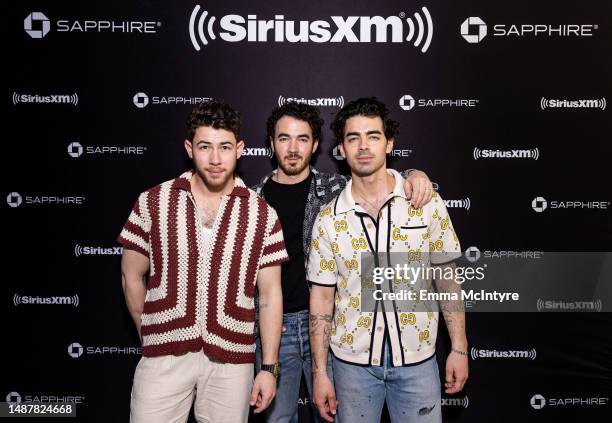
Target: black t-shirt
<point x="289" y="201"/>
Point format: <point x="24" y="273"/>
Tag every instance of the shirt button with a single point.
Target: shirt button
<point x="369" y="226"/>
<point x="379" y="328"/>
<point x="375" y="361"/>
<point x="390" y="326"/>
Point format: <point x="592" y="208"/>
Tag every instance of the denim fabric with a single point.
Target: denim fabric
<point x="412" y="392"/>
<point x="294" y="358"/>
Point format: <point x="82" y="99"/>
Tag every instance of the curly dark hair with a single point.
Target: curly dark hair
<point x="364" y="106"/>
<point x="216" y="114"/>
<point x="301" y="111"/>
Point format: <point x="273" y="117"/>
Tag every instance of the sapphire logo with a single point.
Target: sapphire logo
<point x="406" y="102"/>
<point x="478" y="24"/>
<point x="42" y="22"/>
<point x="75" y="149"/>
<point x="539" y="204"/>
<point x="13" y="397"/>
<point x="141" y="100"/>
<point x="537" y="401"/>
<point x="75" y="350"/>
<point x="14" y="199"/>
<point x="472" y="254"/>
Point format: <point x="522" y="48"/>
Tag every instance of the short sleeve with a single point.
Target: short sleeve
<point x="322" y="269"/>
<point x="443" y="242"/>
<point x="135" y="234"/>
<point x="274" y="251"/>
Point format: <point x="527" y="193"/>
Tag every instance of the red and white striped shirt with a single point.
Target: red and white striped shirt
<point x="201" y="296"/>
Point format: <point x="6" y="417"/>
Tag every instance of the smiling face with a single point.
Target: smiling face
<point x="364" y="145"/>
<point x="214" y="153"/>
<point x="293" y="145"/>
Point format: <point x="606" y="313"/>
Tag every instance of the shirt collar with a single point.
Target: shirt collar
<point x="345" y="201"/>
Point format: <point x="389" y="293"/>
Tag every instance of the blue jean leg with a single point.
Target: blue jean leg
<point x="295" y="360"/>
<point x="360" y="391"/>
<point x="307" y="365"/>
<point x="284" y="406"/>
<point x="412" y="392"/>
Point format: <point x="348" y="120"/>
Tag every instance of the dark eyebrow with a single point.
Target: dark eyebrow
<point x="348" y="134"/>
<point x="374" y="132"/>
<point x="209" y="143"/>
<point x="282" y="134"/>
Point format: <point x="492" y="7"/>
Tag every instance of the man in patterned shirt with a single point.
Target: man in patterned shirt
<point x="297" y="191"/>
<point x="379" y="354"/>
<point x="205" y="241"/>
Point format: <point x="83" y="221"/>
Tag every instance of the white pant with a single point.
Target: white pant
<point x="164" y="389"/>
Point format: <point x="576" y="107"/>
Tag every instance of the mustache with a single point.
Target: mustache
<point x="293" y="156"/>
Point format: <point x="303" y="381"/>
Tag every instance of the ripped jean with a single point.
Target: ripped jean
<point x="412" y="392"/>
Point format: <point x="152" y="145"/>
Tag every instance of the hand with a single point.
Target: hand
<point x="418" y="188"/>
<point x="324" y="396"/>
<point x="456" y="372"/>
<point x="264" y="390"/>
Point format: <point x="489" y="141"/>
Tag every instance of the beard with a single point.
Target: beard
<point x="295" y="168"/>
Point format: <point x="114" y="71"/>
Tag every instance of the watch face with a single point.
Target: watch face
<point x="272" y="368"/>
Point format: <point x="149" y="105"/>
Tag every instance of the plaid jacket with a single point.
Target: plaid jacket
<point x="323" y="188"/>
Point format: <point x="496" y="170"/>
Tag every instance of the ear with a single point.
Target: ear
<point x="390" y="142"/>
<point x="189" y="148"/>
<point x="342" y="151"/>
<point x="315" y="145"/>
<point x="239" y="148"/>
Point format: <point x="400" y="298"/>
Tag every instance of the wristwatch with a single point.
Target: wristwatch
<point x="272" y="368"/>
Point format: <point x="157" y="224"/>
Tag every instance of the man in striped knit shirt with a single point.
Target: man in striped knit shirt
<point x="205" y="241"/>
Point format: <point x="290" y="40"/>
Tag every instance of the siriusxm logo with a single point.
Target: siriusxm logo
<point x="319" y="101"/>
<point x="142" y="100"/>
<point x="408" y="102"/>
<point x="97" y="251"/>
<point x="506" y="154"/>
<point x="72" y="99"/>
<point x="573" y="104"/>
<point x="31" y="300"/>
<point x="463" y="402"/>
<point x="458" y="204"/>
<point x="75" y="149"/>
<point x="474" y="30"/>
<point x="257" y="152"/>
<point x="547" y="305"/>
<point x="37" y="25"/>
<point x="353" y="29"/>
<point x="480" y="353"/>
